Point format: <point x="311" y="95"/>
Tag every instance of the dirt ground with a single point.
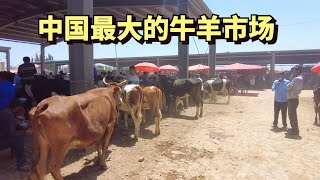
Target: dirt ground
<point x="234" y="141"/>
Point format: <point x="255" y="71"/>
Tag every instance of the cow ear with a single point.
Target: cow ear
<point x="117" y="89"/>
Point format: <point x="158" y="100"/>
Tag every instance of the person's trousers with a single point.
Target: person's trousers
<point x="283" y="107"/>
<point x="292" y="111"/>
<point x="7" y="128"/>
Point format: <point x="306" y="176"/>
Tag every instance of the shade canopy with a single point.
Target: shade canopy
<point x="169" y="68"/>
<point x="316" y="68"/>
<point x="199" y="68"/>
<point x="238" y="66"/>
<point x="147" y="67"/>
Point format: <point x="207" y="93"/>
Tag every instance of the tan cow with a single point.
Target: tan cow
<point x="153" y="102"/>
<point x="61" y="123"/>
<point x="131" y="103"/>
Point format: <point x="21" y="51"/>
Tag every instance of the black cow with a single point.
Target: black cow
<point x="213" y="87"/>
<point x="316" y="98"/>
<point x="44" y="88"/>
<point x="180" y="89"/>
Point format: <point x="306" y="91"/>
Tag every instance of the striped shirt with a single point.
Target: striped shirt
<point x="26" y="71"/>
<point x="295" y="87"/>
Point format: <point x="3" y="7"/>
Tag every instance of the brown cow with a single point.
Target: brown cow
<point x="61" y="123"/>
<point x="316" y="98"/>
<point x="153" y="98"/>
<point x="132" y="103"/>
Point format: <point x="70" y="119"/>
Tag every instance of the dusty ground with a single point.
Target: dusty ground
<point x="233" y="141"/>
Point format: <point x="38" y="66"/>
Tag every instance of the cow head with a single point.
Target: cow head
<point x="117" y="94"/>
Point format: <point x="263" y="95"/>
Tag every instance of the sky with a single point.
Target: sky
<point x="299" y="27"/>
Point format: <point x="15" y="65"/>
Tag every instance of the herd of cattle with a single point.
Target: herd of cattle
<point x="61" y="122"/>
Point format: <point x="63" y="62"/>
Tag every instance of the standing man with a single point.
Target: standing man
<point x="280" y="99"/>
<point x="8" y="124"/>
<point x="132" y="77"/>
<point x="26" y="71"/>
<point x="294" y="89"/>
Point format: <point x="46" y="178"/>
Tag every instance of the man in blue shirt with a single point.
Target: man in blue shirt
<point x="132" y="77"/>
<point x="8" y="124"/>
<point x="7" y="91"/>
<point x="280" y="99"/>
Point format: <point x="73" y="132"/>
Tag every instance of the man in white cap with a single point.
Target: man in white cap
<point x="294" y="89"/>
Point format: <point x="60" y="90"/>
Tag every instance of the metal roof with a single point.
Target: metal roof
<point x="19" y="18"/>
<point x="260" y="57"/>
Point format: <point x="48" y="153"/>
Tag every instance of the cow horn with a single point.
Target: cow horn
<point x="123" y="83"/>
<point x="104" y="81"/>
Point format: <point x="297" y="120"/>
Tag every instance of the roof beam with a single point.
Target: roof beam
<point x="20" y="37"/>
<point x="21" y="30"/>
<point x="127" y="3"/>
<point x="135" y="13"/>
<point x="114" y="13"/>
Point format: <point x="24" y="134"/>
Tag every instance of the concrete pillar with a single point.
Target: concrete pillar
<point x="212" y="60"/>
<point x="42" y="57"/>
<point x="8" y="59"/>
<point x="54" y="68"/>
<point x="80" y="54"/>
<point x="273" y="65"/>
<point x="158" y="61"/>
<point x="117" y="60"/>
<point x="183" y="50"/>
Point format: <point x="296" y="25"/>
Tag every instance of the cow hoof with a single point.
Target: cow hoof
<point x="157" y="133"/>
<point x="103" y="167"/>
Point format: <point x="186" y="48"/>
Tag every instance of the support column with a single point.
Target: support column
<point x="54" y="68"/>
<point x="158" y="61"/>
<point x="212" y="60"/>
<point x="42" y="57"/>
<point x="8" y="59"/>
<point x="117" y="61"/>
<point x="183" y="49"/>
<point x="80" y="54"/>
<point x="273" y="65"/>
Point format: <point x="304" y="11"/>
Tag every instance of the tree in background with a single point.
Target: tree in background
<point x="48" y="58"/>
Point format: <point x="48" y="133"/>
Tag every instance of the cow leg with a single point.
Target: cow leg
<point x="56" y="161"/>
<point x="41" y="167"/>
<point x="126" y="120"/>
<point x="157" y="116"/>
<point x="201" y="108"/>
<point x="105" y="144"/>
<point x="197" y="112"/>
<point x="227" y="94"/>
<point x="99" y="149"/>
<point x="177" y="102"/>
<point x="211" y="97"/>
<point x="137" y="121"/>
<point x="316" y="112"/>
<point x="144" y="117"/>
